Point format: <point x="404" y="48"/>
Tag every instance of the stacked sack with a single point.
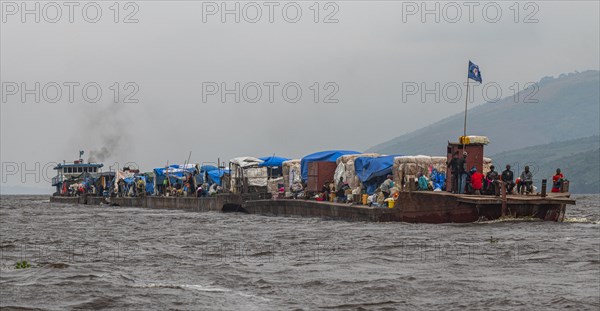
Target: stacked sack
<point x="407" y="167"/>
<point x="291" y="170"/>
<point x="345" y="168"/>
<point x="273" y="185"/>
<point x="256" y="176"/>
<point x="487" y="162"/>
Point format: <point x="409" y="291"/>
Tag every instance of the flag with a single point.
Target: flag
<point x="474" y="72"/>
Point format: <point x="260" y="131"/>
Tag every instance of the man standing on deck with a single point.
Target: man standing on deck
<point x="453" y="165"/>
<point x="462" y="173"/>
<point x="507" y="178"/>
<point x="526" y="180"/>
<point x="165" y="186"/>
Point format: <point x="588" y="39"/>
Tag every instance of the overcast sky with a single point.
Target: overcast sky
<point x="177" y="47"/>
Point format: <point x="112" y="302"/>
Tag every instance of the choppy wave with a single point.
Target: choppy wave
<point x="140" y="259"/>
<point x="197" y="287"/>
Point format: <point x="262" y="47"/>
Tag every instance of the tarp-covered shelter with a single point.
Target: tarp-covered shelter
<point x="176" y="173"/>
<point x="208" y="168"/>
<point x="274" y="165"/>
<point x="215" y="176"/>
<point x="322" y="156"/>
<point x="272" y="161"/>
<point x="345" y="168"/>
<point x="247" y="175"/>
<point x="372" y="171"/>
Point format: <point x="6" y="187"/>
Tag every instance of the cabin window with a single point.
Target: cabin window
<point x="80" y="169"/>
<point x="68" y="170"/>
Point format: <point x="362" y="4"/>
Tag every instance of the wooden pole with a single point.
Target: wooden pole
<point x="168" y="179"/>
<point x="544" y="183"/>
<point x="465" y="122"/>
<point x="503" y="190"/>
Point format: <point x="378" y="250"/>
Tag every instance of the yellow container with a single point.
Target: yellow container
<point x="331" y="197"/>
<point x="391" y="203"/>
<point x="364" y="199"/>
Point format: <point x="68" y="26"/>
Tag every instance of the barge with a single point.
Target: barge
<point x="249" y="192"/>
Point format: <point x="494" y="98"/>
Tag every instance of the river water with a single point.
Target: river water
<point x="101" y="257"/>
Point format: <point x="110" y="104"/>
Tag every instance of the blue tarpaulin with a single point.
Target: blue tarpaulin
<point x="175" y="173"/>
<point x="438" y="179"/>
<point x="208" y="168"/>
<point x="174" y="170"/>
<point x="323" y="156"/>
<point x="272" y="161"/>
<point x="372" y="171"/>
<point x="215" y="175"/>
<point x="149" y="185"/>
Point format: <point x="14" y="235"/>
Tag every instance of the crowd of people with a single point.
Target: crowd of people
<point x="341" y="192"/>
<point x="463" y="181"/>
<point x="473" y="182"/>
<point x="186" y="187"/>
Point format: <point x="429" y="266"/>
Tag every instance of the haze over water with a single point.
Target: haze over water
<point x="89" y="257"/>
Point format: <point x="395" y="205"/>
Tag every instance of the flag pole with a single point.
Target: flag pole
<point x="465" y="123"/>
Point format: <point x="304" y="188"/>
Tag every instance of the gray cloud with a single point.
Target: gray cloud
<point x="171" y="52"/>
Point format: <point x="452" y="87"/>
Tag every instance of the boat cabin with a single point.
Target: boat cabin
<point x="73" y="172"/>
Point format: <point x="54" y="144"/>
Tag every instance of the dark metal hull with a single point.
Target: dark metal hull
<point x="413" y="207"/>
<point x="420" y="207"/>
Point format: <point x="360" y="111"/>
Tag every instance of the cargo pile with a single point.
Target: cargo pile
<point x="407" y="167"/>
<point x="291" y="174"/>
<point x="345" y="168"/>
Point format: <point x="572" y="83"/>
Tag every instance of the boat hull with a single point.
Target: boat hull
<point x="413" y="207"/>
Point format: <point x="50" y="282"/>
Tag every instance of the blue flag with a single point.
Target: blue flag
<point x="474" y="72"/>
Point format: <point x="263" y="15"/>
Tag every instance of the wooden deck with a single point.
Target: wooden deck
<point x="515" y="199"/>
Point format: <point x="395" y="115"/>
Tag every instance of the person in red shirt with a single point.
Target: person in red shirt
<point x="557" y="181"/>
<point x="476" y="181"/>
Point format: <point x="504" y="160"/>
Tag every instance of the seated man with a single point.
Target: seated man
<point x="423" y="185"/>
<point x="557" y="181"/>
<point x="525" y="181"/>
<point x="508" y="179"/>
<point x="387" y="185"/>
<point x="476" y="181"/>
<point x="491" y="180"/>
<point x="341" y="192"/>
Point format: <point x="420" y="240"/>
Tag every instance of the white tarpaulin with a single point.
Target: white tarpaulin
<point x="246" y="170"/>
<point x="291" y="174"/>
<point x="256" y="176"/>
<point x="121" y="175"/>
<point x="345" y="168"/>
<point x="244" y="162"/>
<point x="407" y="167"/>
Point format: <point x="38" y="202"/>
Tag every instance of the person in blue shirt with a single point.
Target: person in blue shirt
<point x="422" y="181"/>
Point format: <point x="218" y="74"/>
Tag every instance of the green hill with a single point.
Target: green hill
<point x="568" y="108"/>
<point x="578" y="159"/>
